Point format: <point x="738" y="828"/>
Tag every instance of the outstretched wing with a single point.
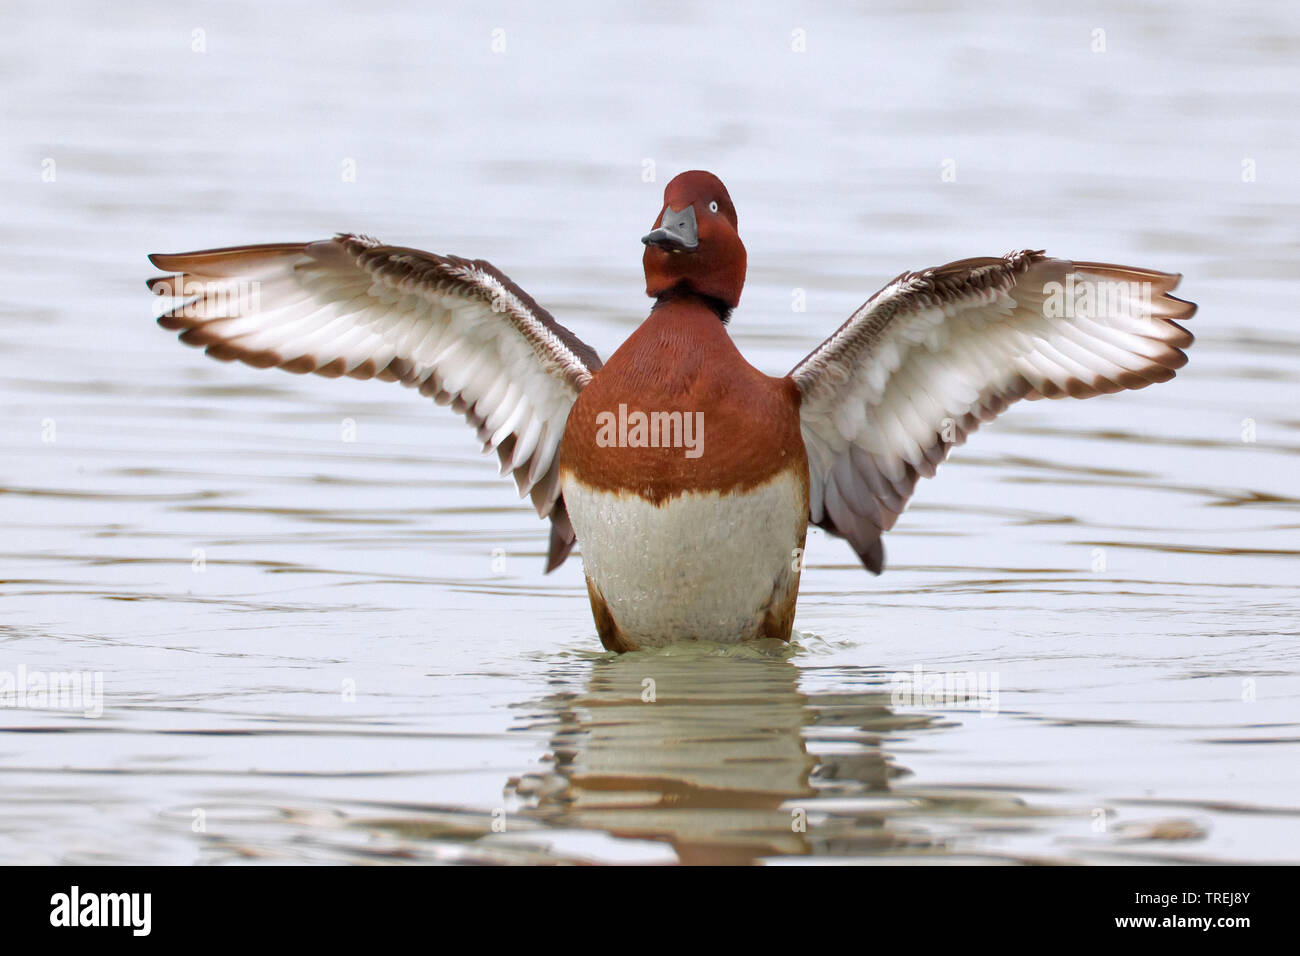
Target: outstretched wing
<point x="458" y="330"/>
<point x="935" y="353"/>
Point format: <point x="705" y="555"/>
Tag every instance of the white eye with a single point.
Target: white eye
<point x="713" y="206"/>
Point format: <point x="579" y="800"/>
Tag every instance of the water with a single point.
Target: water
<point x="319" y="650"/>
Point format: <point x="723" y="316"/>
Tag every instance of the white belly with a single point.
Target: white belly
<point x="701" y="566"/>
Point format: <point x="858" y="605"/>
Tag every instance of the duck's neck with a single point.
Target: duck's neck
<point x="684" y="294"/>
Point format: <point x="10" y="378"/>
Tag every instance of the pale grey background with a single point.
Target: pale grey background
<point x="1123" y="693"/>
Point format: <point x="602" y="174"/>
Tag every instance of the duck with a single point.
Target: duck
<point x="689" y="477"/>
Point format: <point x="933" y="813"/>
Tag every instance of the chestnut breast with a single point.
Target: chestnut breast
<point x="681" y="360"/>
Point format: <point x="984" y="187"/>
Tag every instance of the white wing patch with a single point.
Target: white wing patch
<point x="458" y="330"/>
<point x="937" y="352"/>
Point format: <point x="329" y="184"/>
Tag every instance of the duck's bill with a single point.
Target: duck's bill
<point x="677" y="231"/>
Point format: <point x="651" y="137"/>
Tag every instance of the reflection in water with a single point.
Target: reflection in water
<point x="708" y="755"/>
<point x="724" y="759"/>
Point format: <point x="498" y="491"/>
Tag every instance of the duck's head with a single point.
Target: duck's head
<point x="694" y="246"/>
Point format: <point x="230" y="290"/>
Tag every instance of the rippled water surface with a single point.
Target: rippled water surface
<point x="316" y="649"/>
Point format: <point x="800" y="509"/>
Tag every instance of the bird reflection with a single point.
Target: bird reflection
<point x="726" y="759"/>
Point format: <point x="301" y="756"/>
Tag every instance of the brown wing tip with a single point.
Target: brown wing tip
<point x="873" y="557"/>
<point x="1166" y="306"/>
<point x="222" y="257"/>
<point x="176" y="261"/>
<point x="562" y="538"/>
<point x="173" y="322"/>
<point x="1166" y="280"/>
<point x="1180" y="338"/>
<point x="1176" y="308"/>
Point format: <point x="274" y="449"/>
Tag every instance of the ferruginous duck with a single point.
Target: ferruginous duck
<point x="688" y="476"/>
